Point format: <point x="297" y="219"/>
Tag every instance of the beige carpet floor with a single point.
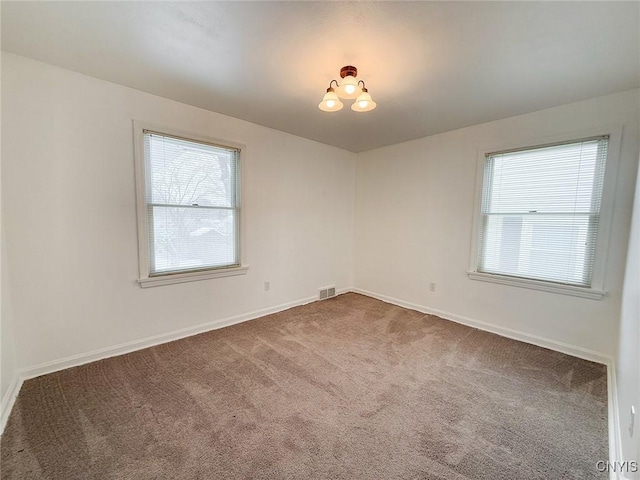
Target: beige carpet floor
<point x="347" y="388"/>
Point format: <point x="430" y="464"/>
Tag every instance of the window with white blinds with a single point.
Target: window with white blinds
<point x="192" y="204"/>
<point x="541" y="211"/>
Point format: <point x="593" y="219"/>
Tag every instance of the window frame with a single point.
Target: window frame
<point x="597" y="289"/>
<point x="146" y="279"/>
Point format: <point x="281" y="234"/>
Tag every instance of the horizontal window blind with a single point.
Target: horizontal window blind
<point x="192" y="204"/>
<point x="541" y="210"/>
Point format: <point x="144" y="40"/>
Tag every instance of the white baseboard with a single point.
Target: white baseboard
<point x="561" y="347"/>
<point x="87" y="357"/>
<point x="128" y="347"/>
<point x="8" y="400"/>
<point x="615" y="442"/>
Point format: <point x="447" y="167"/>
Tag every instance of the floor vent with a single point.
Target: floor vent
<point x="327" y="292"/>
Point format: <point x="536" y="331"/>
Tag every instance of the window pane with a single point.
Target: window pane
<point x="192" y="238"/>
<point x="182" y="172"/>
<point x="551" y="179"/>
<point x="540" y="212"/>
<point x="545" y="247"/>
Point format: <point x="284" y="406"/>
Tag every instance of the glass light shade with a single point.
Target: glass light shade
<point x="330" y="102"/>
<point x="348" y="88"/>
<point x="363" y="103"/>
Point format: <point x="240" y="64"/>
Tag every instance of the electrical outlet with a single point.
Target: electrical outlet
<point x="432" y="287"/>
<point x="267" y="286"/>
<point x="632" y="420"/>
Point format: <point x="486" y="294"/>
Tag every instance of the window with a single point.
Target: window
<point x="188" y="208"/>
<point x="540" y="213"/>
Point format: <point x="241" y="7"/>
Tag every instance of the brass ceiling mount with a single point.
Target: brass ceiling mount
<point x="348" y="70"/>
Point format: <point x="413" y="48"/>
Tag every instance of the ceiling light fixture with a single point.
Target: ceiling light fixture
<point x="348" y="88"/>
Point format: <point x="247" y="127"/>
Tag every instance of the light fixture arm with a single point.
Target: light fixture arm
<point x="337" y="84"/>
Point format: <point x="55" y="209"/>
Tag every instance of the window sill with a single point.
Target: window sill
<point x="539" y="285"/>
<point x="191" y="276"/>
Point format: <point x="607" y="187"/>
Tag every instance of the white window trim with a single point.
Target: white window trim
<point x="146" y="280"/>
<point x="597" y="289"/>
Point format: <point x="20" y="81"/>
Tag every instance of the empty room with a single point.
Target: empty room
<point x="320" y="240"/>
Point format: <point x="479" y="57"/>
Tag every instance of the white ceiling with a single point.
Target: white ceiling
<point x="431" y="66"/>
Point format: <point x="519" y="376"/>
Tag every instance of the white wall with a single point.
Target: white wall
<point x="8" y="366"/>
<point x="7" y="352"/>
<point x="69" y="206"/>
<point x="414" y="210"/>
<point x="628" y="358"/>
